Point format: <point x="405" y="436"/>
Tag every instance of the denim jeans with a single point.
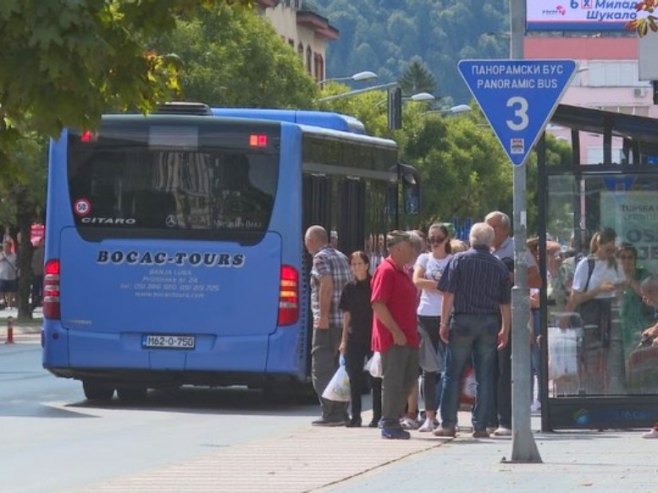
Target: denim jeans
<point x="470" y="336"/>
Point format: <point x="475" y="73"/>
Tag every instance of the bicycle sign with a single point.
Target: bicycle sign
<point x="517" y="97"/>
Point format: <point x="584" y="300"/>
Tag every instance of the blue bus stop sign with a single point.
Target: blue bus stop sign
<point x="517" y="97"/>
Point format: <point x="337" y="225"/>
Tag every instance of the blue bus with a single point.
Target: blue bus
<point x="174" y="242"/>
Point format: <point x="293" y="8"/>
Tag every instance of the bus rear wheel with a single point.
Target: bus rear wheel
<point x="97" y="392"/>
<point x="132" y="395"/>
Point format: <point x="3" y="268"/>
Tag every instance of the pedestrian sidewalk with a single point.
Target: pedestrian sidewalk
<point x="353" y="460"/>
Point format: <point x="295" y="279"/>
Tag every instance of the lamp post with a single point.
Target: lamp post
<point x="453" y="110"/>
<point x="358" y="77"/>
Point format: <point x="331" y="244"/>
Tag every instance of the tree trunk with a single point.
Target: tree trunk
<point x="24" y="218"/>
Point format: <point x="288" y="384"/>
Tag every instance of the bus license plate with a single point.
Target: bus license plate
<point x="168" y="341"/>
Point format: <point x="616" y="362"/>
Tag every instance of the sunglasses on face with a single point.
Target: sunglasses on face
<point x="437" y="240"/>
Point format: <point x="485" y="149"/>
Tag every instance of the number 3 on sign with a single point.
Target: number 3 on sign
<point x="521" y="112"/>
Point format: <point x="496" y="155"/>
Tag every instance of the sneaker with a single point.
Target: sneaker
<point x="480" y="434"/>
<point x="445" y="432"/>
<point x="408" y="423"/>
<point x="491" y="429"/>
<point x="353" y="423"/>
<point x="327" y="422"/>
<point x="395" y="434"/>
<point x="428" y="425"/>
<point x="374" y="423"/>
<point x="501" y="431"/>
<point x="653" y="433"/>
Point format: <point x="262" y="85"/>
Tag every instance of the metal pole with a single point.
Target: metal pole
<point x="524" y="448"/>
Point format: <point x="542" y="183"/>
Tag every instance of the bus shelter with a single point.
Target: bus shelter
<point x="598" y="376"/>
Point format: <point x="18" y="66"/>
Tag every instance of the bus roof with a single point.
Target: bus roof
<point x="323" y="119"/>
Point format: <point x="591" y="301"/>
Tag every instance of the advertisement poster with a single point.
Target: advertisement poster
<point x="579" y="15"/>
<point x="634" y="216"/>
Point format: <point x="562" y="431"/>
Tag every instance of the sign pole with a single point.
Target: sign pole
<point x="518" y="97"/>
<point x="524" y="448"/>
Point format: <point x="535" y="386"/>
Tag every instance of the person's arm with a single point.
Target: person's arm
<point x="382" y="312"/>
<point x="534" y="278"/>
<point x="325" y="294"/>
<point x="578" y="297"/>
<point x="505" y="325"/>
<point x="421" y="282"/>
<point x="651" y="331"/>
<point x="446" y="311"/>
<point x="346" y="330"/>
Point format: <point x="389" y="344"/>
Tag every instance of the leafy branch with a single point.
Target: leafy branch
<point x="643" y="25"/>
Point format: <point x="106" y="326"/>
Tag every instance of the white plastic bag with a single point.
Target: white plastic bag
<point x="562" y="352"/>
<point x="339" y="386"/>
<point x="375" y="365"/>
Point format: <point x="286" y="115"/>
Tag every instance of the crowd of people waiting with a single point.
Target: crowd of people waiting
<point x="435" y="305"/>
<point x="401" y="309"/>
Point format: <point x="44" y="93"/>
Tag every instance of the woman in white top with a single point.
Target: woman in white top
<point x="597" y="280"/>
<point x="427" y="272"/>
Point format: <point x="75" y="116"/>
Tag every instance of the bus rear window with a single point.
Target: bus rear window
<point x="142" y="184"/>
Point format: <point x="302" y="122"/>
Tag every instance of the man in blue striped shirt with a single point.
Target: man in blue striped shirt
<point x="477" y="285"/>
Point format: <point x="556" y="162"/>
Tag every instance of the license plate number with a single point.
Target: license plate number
<point x="168" y="341"/>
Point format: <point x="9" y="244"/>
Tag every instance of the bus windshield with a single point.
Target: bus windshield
<point x="160" y="182"/>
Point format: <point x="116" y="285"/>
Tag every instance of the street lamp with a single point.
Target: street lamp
<point x="359" y="76"/>
<point x="421" y="96"/>
<point x="356" y="91"/>
<point x="453" y="110"/>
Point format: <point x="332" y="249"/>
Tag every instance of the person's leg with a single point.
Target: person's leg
<point x="457" y="355"/>
<point x="484" y="357"/>
<point x="323" y="367"/>
<point x="354" y="365"/>
<point x="504" y="384"/>
<point x="394" y="393"/>
<point x="430" y="326"/>
<point x="376" y="384"/>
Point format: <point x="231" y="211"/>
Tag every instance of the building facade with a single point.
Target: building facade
<point x="607" y="78"/>
<point x="305" y="31"/>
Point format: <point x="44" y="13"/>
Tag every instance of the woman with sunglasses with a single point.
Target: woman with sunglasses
<point x="427" y="272"/>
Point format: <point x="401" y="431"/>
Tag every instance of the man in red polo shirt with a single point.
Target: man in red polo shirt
<point x="394" y="332"/>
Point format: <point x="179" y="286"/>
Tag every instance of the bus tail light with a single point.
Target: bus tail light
<point x="288" y="296"/>
<point x="51" y="290"/>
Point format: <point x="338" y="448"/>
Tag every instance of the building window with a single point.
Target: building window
<point x="291" y="42"/>
<point x="319" y="67"/>
<point x="300" y="51"/>
<point x="309" y="60"/>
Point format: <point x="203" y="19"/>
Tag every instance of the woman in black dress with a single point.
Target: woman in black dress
<point x="355" y="343"/>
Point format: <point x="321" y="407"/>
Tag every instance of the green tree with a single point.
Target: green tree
<point x="417" y="78"/>
<point x="233" y="57"/>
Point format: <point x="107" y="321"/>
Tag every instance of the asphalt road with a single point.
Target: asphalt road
<point x="52" y="440"/>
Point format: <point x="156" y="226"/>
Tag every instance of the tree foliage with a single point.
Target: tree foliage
<point x="64" y="62"/>
<point x="417" y="78"/>
<point x="232" y="57"/>
<point x="384" y="35"/>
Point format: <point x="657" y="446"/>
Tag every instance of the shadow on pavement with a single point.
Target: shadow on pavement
<point x="195" y="400"/>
